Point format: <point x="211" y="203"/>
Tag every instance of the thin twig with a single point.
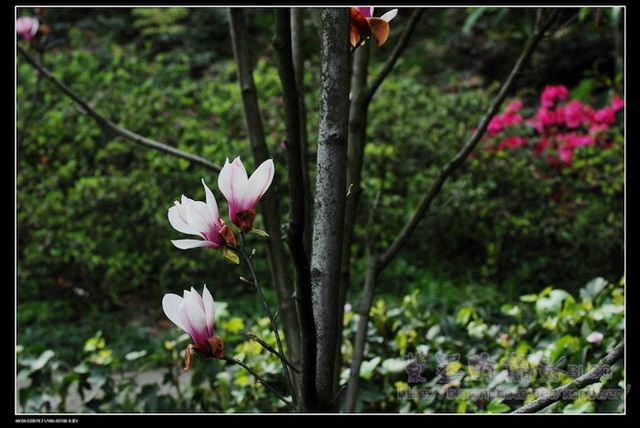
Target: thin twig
<point x="272" y="320"/>
<point x="259" y="379"/>
<point x="590" y="377"/>
<point x="106" y="123"/>
<point x="269" y="348"/>
<point x="459" y="158"/>
<point x="377" y="263"/>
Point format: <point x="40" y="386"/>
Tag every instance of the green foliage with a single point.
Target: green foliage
<point x="532" y="343"/>
<point x="537" y="343"/>
<point x="149" y="377"/>
<point x="94" y="242"/>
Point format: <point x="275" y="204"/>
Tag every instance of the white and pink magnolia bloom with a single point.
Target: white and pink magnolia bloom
<point x="243" y="192"/>
<point x="195" y="315"/>
<point x="27" y="27"/>
<point x="595" y="337"/>
<point x="367" y="12"/>
<point x="192" y="313"/>
<point x="197" y="218"/>
<point x="365" y="25"/>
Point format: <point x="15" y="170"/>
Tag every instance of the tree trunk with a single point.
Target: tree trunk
<point x="280" y="277"/>
<point x="330" y="197"/>
<point x="297" y="194"/>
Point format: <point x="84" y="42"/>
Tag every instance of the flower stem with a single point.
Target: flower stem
<point x="269" y="348"/>
<point x="272" y="319"/>
<point x="259" y="379"/>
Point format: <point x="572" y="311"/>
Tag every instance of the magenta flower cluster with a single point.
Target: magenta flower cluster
<point x="559" y="126"/>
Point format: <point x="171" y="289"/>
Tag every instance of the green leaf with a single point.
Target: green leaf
<point x="42" y="360"/>
<point x="259" y="232"/>
<point x="234" y="325"/>
<point x="552" y="303"/>
<point x="497" y="406"/>
<point x="593" y="287"/>
<point x="587" y="407"/>
<point x="367" y="367"/>
<point x="230" y="255"/>
<point x="472" y="18"/>
<point x="134" y="355"/>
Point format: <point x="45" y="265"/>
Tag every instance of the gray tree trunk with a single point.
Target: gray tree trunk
<point x="330" y="197"/>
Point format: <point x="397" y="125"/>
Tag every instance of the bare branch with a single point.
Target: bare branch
<point x="459" y="158"/>
<point x="590" y="377"/>
<point x="269" y="348"/>
<point x="298" y="196"/>
<point x="378" y="263"/>
<point x="278" y="259"/>
<point x="106" y="123"/>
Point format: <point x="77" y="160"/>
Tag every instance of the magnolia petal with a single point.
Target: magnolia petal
<point x="379" y="29"/>
<point x="353" y="37"/>
<point x="212" y="204"/>
<point x="198" y="298"/>
<point x="177" y="222"/>
<point x="359" y="26"/>
<point x="195" y="314"/>
<point x="209" y="310"/>
<point x="186" y="244"/>
<point x="259" y="183"/>
<point x="171" y="306"/>
<point x="230" y="183"/>
<point x="198" y="218"/>
<point x="367" y="12"/>
<point x="389" y="15"/>
<point x="238" y="162"/>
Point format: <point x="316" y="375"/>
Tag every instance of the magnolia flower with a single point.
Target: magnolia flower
<point x="201" y="219"/>
<point x="195" y="315"/>
<point x="595" y="337"/>
<point x="27" y="27"/>
<point x="243" y="192"/>
<point x="364" y="25"/>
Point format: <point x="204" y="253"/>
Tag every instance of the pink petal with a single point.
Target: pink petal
<point x="178" y="223"/>
<point x="209" y="310"/>
<point x="171" y="306"/>
<point x="367" y="12"/>
<point x="258" y="184"/>
<point x="389" y="15"/>
<point x="212" y="204"/>
<point x="194" y="314"/>
<point x="186" y="244"/>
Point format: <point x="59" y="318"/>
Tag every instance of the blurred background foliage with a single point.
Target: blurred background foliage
<point x="93" y="240"/>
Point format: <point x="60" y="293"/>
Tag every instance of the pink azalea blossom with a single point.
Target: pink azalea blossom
<point x="605" y="115"/>
<point x="243" y="192"/>
<point x="598" y="128"/>
<point x="27" y="27"/>
<point x="565" y="153"/>
<point x="495" y="125"/>
<point x="544" y="119"/>
<point x="551" y="93"/>
<point x="512" y="142"/>
<point x="540" y="146"/>
<point x="575" y="114"/>
<point x="192" y="313"/>
<point x="197" y="218"/>
<point x="595" y="337"/>
<point x="617" y="103"/>
<point x="514" y="107"/>
<point x="580" y="140"/>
